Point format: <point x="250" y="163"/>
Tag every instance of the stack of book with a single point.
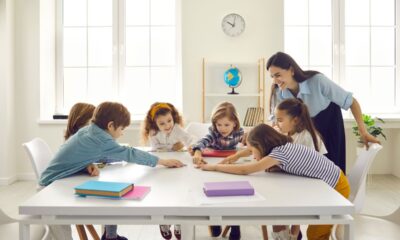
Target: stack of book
<point x="116" y="190"/>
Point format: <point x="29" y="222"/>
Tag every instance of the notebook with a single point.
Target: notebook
<point x="228" y="188"/>
<point x="138" y="193"/>
<point x="208" y="152"/>
<point x="103" y="188"/>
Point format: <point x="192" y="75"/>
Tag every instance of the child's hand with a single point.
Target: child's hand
<point x="190" y="150"/>
<point x="229" y="160"/>
<point x="177" y="146"/>
<point x="171" y="163"/>
<point x="92" y="170"/>
<point x="198" y="158"/>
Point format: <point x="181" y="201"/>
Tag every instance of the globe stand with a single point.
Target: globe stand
<point x="233" y="91"/>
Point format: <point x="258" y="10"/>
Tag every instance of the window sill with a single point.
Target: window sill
<point x="135" y="124"/>
<point x="391" y="120"/>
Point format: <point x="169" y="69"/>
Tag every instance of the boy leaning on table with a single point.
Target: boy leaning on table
<point x="94" y="143"/>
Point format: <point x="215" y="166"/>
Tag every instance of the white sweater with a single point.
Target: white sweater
<point x="305" y="138"/>
<point x="162" y="141"/>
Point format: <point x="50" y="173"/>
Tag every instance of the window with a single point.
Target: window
<point x="353" y="42"/>
<point x="118" y="50"/>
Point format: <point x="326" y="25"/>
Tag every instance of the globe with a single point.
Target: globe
<point x="233" y="78"/>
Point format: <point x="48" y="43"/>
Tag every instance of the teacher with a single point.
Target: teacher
<point x="324" y="100"/>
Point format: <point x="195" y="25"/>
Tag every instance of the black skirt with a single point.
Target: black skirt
<point x="329" y="123"/>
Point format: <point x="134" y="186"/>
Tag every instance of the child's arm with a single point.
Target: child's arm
<point x="242" y="169"/>
<point x="171" y="163"/>
<point x="177" y="146"/>
<point x="233" y="158"/>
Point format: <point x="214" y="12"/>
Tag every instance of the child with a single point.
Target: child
<point x="97" y="142"/>
<point x="292" y="118"/>
<point x="271" y="148"/>
<point x="162" y="126"/>
<point x="224" y="134"/>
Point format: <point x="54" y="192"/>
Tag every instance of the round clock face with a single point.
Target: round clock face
<point x="233" y="24"/>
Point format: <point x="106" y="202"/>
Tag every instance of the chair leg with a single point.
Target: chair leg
<point x="92" y="232"/>
<point x="81" y="232"/>
<point x="264" y="232"/>
<point x="225" y="232"/>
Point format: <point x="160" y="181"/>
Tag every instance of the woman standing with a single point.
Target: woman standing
<point x="324" y="100"/>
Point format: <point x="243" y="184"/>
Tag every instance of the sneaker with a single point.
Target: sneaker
<point x="165" y="231"/>
<point x="177" y="231"/>
<point x="235" y="233"/>
<point x="215" y="230"/>
<point x="117" y="238"/>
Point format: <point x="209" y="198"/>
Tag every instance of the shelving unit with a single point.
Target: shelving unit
<point x="251" y="90"/>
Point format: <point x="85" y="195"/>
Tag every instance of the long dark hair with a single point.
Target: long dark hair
<point x="285" y="61"/>
<point x="264" y="138"/>
<point x="296" y="108"/>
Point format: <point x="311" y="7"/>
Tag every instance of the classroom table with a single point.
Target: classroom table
<point x="176" y="197"/>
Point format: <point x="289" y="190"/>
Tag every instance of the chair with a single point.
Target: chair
<point x="10" y="228"/>
<point x="367" y="226"/>
<point x="197" y="129"/>
<point x="40" y="155"/>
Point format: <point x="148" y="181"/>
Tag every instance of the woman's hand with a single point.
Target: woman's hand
<point x="366" y="138"/>
<point x="92" y="170"/>
<point x="171" y="163"/>
<point x="177" y="146"/>
<point x="198" y="158"/>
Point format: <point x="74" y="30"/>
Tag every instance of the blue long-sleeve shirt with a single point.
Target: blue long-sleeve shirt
<point x="216" y="141"/>
<point x="89" y="145"/>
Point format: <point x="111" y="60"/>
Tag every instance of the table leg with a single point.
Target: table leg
<point x="348" y="231"/>
<point x="24" y="231"/>
<point x="188" y="231"/>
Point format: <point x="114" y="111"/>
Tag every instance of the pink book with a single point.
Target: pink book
<point x="138" y="193"/>
<point x="208" y="152"/>
<point x="228" y="188"/>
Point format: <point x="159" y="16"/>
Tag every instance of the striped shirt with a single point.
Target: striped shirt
<point x="216" y="141"/>
<point x="303" y="161"/>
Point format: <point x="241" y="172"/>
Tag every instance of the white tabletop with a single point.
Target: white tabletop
<point x="174" y="192"/>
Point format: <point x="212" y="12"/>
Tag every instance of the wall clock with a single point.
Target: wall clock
<point x="233" y="24"/>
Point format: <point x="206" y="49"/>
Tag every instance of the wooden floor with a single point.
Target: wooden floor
<point x="383" y="196"/>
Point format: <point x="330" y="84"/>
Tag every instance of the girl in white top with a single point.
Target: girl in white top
<point x="293" y="119"/>
<point x="163" y="128"/>
<point x="271" y="148"/>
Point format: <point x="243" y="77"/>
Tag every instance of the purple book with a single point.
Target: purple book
<point x="228" y="188"/>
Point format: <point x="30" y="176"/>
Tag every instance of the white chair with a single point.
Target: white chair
<point x="40" y="155"/>
<point x="9" y="229"/>
<point x="367" y="227"/>
<point x="197" y="129"/>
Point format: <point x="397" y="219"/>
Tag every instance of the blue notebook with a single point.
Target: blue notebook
<point x="103" y="188"/>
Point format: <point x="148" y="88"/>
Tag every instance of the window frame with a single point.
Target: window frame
<point x="118" y="54"/>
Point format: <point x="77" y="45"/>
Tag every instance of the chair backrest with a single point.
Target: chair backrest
<point x="39" y="153"/>
<point x="358" y="175"/>
<point x="197" y="129"/>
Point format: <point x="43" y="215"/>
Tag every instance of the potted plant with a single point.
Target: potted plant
<point x="371" y="126"/>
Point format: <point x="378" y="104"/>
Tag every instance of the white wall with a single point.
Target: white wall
<point x="7" y="140"/>
<point x="201" y="37"/>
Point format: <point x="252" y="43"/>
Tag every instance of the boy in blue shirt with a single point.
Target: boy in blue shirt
<point x="97" y="142"/>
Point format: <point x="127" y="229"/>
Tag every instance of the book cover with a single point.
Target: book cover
<point x="103" y="188"/>
<point x="138" y="193"/>
<point x="208" y="152"/>
<point x="228" y="188"/>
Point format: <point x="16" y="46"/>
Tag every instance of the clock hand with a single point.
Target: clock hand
<point x="230" y="24"/>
